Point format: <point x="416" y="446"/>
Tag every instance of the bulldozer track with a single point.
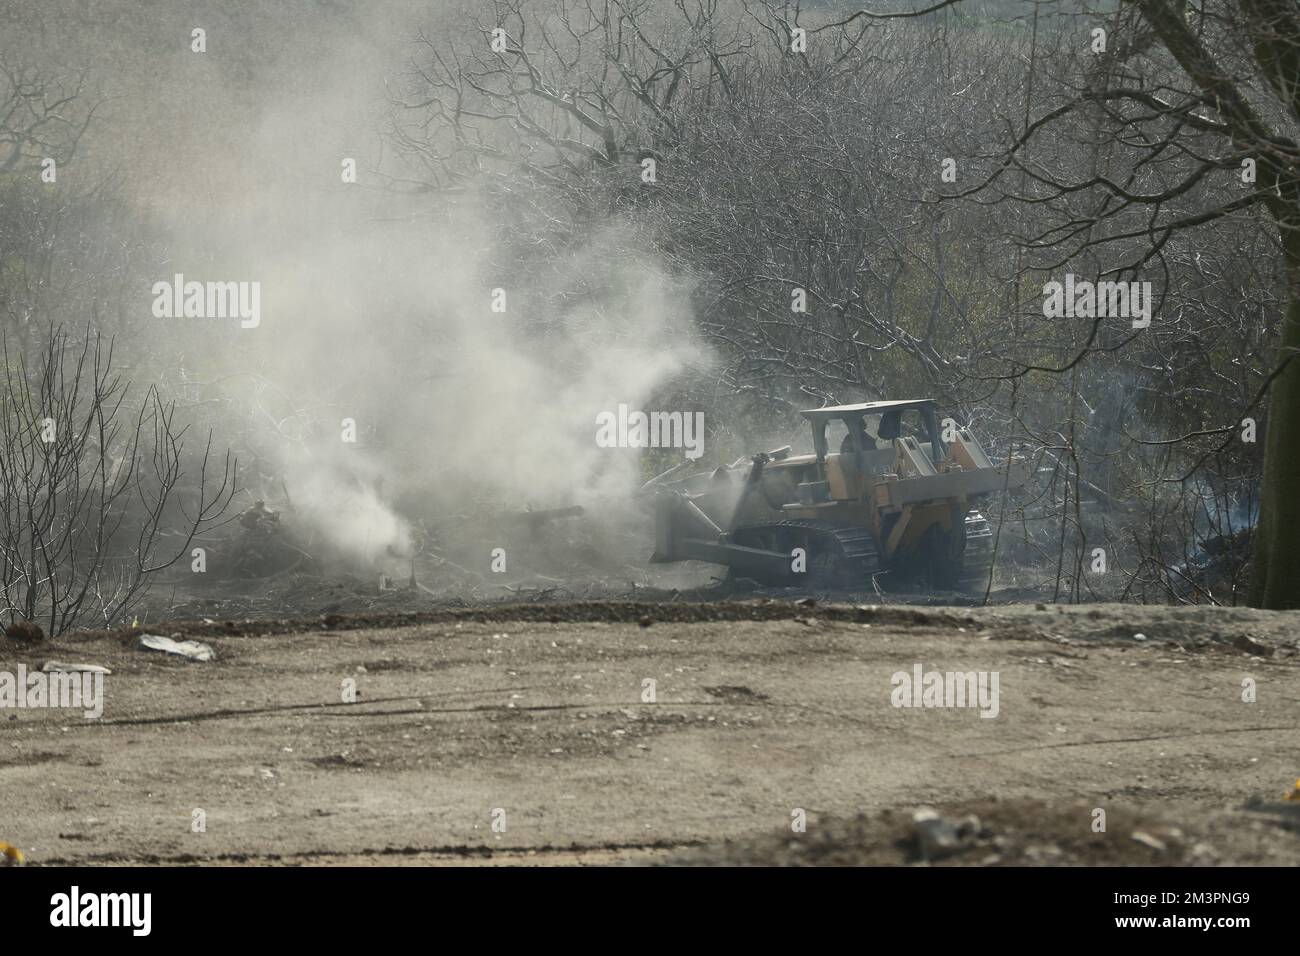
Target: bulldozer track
<point x="853" y="557"/>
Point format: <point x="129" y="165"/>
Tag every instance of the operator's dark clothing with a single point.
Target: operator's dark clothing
<point x="868" y="443"/>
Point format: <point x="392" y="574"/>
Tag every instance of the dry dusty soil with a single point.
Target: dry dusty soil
<point x="533" y="716"/>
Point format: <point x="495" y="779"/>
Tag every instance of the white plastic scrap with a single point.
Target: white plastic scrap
<point x="57" y="667"/>
<point x="194" y="650"/>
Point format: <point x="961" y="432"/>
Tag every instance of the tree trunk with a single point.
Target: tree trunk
<point x="1276" y="579"/>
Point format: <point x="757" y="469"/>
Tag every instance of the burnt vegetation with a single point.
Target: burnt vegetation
<point x="920" y="171"/>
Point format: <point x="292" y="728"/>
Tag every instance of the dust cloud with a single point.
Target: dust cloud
<point x="375" y="296"/>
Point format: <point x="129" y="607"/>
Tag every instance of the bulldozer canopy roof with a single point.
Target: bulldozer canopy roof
<point x="865" y="408"/>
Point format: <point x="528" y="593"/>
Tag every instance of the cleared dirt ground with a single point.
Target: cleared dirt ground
<point x="762" y="709"/>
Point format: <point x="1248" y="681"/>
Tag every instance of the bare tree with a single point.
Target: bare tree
<point x="1193" y="112"/>
<point x="91" y="487"/>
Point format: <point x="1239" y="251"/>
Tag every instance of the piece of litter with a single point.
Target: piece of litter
<point x="935" y="837"/>
<point x="1147" y="839"/>
<point x="194" y="650"/>
<point x="61" y="667"/>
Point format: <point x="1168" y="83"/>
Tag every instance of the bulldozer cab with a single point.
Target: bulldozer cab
<point x="864" y="434"/>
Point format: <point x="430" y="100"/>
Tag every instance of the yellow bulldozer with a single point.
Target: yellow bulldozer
<point x="897" y="495"/>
